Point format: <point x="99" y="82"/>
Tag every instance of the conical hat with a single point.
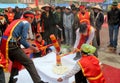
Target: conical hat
<point x="44" y="6"/>
<point x="97" y="7"/>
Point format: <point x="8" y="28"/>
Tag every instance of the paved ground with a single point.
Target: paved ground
<point x="112" y="59"/>
<point x="105" y="56"/>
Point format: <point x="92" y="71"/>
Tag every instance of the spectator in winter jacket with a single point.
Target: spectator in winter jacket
<point x="68" y="20"/>
<point x="113" y="23"/>
<point x="98" y="20"/>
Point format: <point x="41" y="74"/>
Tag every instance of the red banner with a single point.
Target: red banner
<point x="36" y="2"/>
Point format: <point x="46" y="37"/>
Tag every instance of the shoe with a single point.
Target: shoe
<point x="119" y="53"/>
<point x="114" y="49"/>
<point x="13" y="80"/>
<point x="78" y="56"/>
<point x="110" y="45"/>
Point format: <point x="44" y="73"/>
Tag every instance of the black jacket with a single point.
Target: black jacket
<point x="113" y="16"/>
<point x="98" y="20"/>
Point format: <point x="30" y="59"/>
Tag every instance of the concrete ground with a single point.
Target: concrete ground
<point x="106" y="57"/>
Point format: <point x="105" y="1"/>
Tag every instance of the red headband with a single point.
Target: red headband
<point x="30" y="15"/>
<point x="85" y="20"/>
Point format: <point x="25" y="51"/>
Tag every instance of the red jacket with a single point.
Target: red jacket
<point x="91" y="69"/>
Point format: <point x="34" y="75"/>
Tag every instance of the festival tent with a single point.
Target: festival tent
<point x="62" y="4"/>
<point x="108" y="2"/>
<point x="6" y="5"/>
<point x="106" y="5"/>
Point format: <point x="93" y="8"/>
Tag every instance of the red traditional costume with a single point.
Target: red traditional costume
<point x="2" y="60"/>
<point x="10" y="17"/>
<point x="84" y="38"/>
<point x="41" y="46"/>
<point x="85" y="16"/>
<point x="5" y="42"/>
<point x="91" y="69"/>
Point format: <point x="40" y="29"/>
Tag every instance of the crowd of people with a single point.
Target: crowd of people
<point x="72" y="26"/>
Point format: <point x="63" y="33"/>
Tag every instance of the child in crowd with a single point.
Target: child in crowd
<point x="41" y="45"/>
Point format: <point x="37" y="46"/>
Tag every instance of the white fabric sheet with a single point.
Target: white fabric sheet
<point x="44" y="66"/>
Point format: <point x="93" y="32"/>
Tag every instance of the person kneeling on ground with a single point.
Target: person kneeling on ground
<point x="88" y="64"/>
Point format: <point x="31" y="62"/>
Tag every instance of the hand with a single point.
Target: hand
<point x="57" y="26"/>
<point x="59" y="79"/>
<point x="75" y="50"/>
<point x="35" y="49"/>
<point x="101" y="66"/>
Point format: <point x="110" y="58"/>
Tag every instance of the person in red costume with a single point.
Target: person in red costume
<point x="84" y="34"/>
<point x="88" y="16"/>
<point x="88" y="64"/>
<point x="83" y="14"/>
<point x="41" y="45"/>
<point x="14" y="35"/>
<point x="10" y="14"/>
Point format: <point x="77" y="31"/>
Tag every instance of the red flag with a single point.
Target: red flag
<point x="36" y="2"/>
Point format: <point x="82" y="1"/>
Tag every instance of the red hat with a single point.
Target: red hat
<point x="82" y="6"/>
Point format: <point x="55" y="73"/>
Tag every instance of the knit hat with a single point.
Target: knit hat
<point x="115" y="4"/>
<point x="88" y="48"/>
